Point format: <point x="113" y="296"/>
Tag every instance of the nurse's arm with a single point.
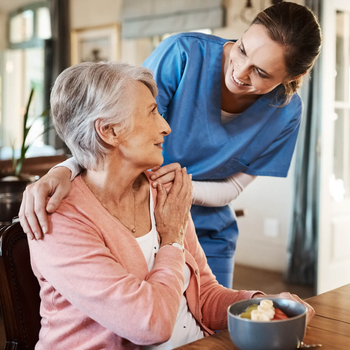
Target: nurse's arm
<point x="205" y="193"/>
<point x="35" y="206"/>
<point x="220" y="193"/>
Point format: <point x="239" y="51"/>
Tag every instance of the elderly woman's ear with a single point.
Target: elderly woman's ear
<point x="106" y="133"/>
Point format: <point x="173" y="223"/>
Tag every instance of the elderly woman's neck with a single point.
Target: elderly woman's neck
<point x="115" y="183"/>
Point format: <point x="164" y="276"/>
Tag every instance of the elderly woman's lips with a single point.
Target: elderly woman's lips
<point x="159" y="145"/>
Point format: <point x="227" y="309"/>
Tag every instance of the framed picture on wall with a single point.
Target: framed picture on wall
<point x="95" y="44"/>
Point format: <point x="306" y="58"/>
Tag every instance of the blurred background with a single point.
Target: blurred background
<point x="295" y="231"/>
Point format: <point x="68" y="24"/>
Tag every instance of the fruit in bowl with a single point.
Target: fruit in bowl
<point x="264" y="311"/>
<point x="285" y="333"/>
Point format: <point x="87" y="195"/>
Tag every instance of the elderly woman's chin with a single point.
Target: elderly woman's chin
<point x="157" y="158"/>
<point x="147" y="160"/>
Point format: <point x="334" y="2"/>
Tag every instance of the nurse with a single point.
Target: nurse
<point x="234" y="114"/>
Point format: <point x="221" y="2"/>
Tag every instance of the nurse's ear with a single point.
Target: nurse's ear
<point x="291" y="79"/>
<point x="106" y="133"/>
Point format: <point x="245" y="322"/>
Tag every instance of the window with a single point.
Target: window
<point x="340" y="180"/>
<point x="23" y="68"/>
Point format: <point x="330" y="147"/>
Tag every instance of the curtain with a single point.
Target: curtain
<point x="157" y="17"/>
<point x="57" y="53"/>
<point x="302" y="247"/>
<point x="59" y="14"/>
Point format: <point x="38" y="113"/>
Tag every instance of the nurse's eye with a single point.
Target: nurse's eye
<point x="261" y="75"/>
<point x="241" y="50"/>
<point x="154" y="110"/>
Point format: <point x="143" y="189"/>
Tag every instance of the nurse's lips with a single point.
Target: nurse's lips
<point x="237" y="81"/>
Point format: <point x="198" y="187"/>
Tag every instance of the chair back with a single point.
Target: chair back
<point x="19" y="290"/>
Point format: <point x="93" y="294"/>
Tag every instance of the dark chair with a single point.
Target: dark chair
<point x="19" y="290"/>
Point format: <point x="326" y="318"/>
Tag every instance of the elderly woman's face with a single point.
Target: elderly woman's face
<point x="256" y="63"/>
<point x="143" y="145"/>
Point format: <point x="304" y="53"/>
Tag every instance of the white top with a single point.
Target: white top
<point x="186" y="329"/>
<point x="227" y="117"/>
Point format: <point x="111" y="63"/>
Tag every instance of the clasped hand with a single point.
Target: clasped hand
<point x="173" y="208"/>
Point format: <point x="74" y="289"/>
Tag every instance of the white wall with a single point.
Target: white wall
<point x="268" y="205"/>
<point x="235" y="9"/>
<point x="90" y="13"/>
<point x="235" y="26"/>
<point x="3" y="30"/>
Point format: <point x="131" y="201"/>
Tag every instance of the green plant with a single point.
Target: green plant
<point x="17" y="162"/>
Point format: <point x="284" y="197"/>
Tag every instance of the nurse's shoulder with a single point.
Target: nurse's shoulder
<point x="294" y="108"/>
<point x="191" y="40"/>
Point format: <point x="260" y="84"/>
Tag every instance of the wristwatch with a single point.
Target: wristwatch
<point x="178" y="245"/>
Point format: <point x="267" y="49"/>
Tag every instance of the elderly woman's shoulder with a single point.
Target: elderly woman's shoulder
<point x="80" y="195"/>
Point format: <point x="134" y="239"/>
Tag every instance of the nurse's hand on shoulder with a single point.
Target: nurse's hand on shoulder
<point x="285" y="295"/>
<point x="34" y="208"/>
<point x="164" y="175"/>
<point x="173" y="208"/>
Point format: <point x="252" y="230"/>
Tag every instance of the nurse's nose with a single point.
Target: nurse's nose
<point x="241" y="72"/>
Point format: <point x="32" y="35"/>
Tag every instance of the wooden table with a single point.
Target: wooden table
<point x="330" y="326"/>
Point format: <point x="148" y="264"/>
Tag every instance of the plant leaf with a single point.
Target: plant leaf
<point x="25" y="120"/>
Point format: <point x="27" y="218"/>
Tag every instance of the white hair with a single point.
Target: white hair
<point x="89" y="91"/>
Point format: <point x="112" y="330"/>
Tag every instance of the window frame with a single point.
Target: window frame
<point x="35" y="41"/>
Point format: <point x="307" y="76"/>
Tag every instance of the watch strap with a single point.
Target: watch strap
<point x="178" y="245"/>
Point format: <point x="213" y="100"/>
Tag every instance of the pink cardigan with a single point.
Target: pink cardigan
<point x="97" y="293"/>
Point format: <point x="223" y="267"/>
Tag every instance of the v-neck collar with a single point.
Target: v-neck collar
<point x="221" y="133"/>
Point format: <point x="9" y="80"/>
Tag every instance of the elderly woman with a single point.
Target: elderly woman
<point x="121" y="266"/>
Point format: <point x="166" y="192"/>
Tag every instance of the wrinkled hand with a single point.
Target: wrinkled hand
<point x="173" y="208"/>
<point x="164" y="175"/>
<point x="33" y="212"/>
<point x="285" y="295"/>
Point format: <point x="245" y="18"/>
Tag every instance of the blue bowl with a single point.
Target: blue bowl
<point x="273" y="335"/>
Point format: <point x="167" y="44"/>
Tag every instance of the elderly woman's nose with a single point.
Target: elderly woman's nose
<point x="165" y="127"/>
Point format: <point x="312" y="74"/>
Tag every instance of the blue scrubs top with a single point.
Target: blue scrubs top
<point x="260" y="141"/>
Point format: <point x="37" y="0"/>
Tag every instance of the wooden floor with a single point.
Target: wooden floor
<point x="267" y="281"/>
<point x="244" y="278"/>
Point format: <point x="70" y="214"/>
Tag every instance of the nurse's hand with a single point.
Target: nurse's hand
<point x="164" y="175"/>
<point x="33" y="212"/>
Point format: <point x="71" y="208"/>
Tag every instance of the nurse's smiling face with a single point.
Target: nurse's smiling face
<point x="256" y="64"/>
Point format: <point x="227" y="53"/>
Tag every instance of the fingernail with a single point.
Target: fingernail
<point x="190" y="176"/>
<point x="44" y="230"/>
<point x="155" y="184"/>
<point x="185" y="169"/>
<point x="153" y="177"/>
